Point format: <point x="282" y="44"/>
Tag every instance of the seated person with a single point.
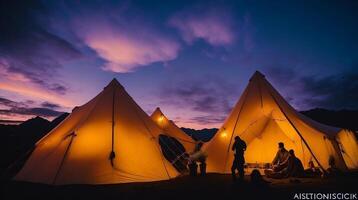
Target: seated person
<point x="280" y="160"/>
<point x="333" y="169"/>
<point x="256" y="179"/>
<point x="312" y="171"/>
<point x="294" y="168"/>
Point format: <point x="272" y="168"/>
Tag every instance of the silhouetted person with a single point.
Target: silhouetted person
<point x="294" y="166"/>
<point x="201" y="159"/>
<point x="333" y="169"/>
<point x="198" y="146"/>
<point x="280" y="160"/>
<point x="256" y="179"/>
<point x="312" y="170"/>
<point x="202" y="166"/>
<point x="193" y="168"/>
<point x="198" y="156"/>
<point x="239" y="148"/>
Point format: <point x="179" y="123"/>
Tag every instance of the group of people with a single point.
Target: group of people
<point x="284" y="165"/>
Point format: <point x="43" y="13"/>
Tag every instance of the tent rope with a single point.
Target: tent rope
<point x="175" y="153"/>
<point x="233" y="131"/>
<point x="150" y="133"/>
<point x="72" y="130"/>
<point x="288" y="119"/>
<point x="177" y="157"/>
<point x="112" y="154"/>
<point x="303" y="152"/>
<point x="174" y="143"/>
<point x="72" y="135"/>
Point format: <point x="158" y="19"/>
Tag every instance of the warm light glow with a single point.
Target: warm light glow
<point x="223" y="134"/>
<point x="161" y="118"/>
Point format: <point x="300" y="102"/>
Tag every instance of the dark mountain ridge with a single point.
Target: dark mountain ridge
<point x="19" y="139"/>
<point x="347" y="119"/>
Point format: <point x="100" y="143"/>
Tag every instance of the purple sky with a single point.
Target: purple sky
<point x="191" y="58"/>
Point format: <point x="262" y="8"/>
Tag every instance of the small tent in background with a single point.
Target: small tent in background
<point x="262" y="118"/>
<point x="174" y="142"/>
<point x="108" y="140"/>
<point x="172" y="130"/>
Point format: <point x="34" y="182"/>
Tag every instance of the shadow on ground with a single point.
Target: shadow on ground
<point x="208" y="187"/>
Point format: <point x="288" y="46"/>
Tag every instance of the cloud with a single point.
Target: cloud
<point x="125" y="45"/>
<point x="21" y="110"/>
<point x="50" y="105"/>
<point x="8" y="103"/>
<point x="212" y="25"/>
<point x="208" y="101"/>
<point x="338" y="91"/>
<point x="31" y="91"/>
<point x="207" y="119"/>
<point x="28" y="52"/>
<point x="335" y="91"/>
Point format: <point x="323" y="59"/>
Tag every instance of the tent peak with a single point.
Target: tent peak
<point x="158" y="110"/>
<point x="257" y="75"/>
<point x="114" y="83"/>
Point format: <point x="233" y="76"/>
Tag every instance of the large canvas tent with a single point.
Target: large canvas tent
<point x="110" y="139"/>
<point x="172" y="130"/>
<point x="262" y="118"/>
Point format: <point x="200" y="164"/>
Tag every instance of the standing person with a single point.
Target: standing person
<point x="197" y="156"/>
<point x="238" y="147"/>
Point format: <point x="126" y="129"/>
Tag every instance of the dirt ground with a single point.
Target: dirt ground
<point x="208" y="187"/>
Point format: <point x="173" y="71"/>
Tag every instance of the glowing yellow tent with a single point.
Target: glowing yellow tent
<point x="262" y="118"/>
<point x="110" y="139"/>
<point x="172" y="130"/>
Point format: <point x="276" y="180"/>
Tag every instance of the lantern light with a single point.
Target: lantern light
<point x="223" y="134"/>
<point x="161" y="118"/>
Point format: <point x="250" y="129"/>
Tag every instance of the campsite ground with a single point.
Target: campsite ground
<point x="209" y="187"/>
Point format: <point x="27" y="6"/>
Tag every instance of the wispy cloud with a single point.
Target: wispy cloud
<point x="29" y="54"/>
<point x="126" y="45"/>
<point x="208" y="119"/>
<point x="336" y="91"/>
<point x="22" y="110"/>
<point x="32" y="91"/>
<point x="214" y="26"/>
<point x="207" y="101"/>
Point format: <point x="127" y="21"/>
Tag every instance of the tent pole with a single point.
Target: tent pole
<point x="233" y="131"/>
<point x="112" y="155"/>
<point x="72" y="135"/>
<point x="291" y="123"/>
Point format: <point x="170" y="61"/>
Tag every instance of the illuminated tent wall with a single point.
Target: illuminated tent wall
<point x="174" y="142"/>
<point x="110" y="139"/>
<point x="262" y="118"/>
<point x="172" y="130"/>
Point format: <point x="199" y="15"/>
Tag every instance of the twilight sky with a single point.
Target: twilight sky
<point x="191" y="58"/>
